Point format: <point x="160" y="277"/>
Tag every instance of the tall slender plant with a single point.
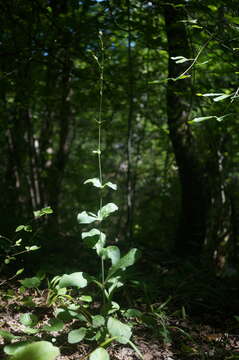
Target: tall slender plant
<point x="105" y="325"/>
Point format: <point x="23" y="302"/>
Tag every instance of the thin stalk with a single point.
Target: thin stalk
<point x="101" y="68"/>
<point x="196" y="58"/>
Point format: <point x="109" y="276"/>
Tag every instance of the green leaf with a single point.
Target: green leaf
<point x="31" y="331"/>
<point x="26" y="228"/>
<point x="95" y="239"/>
<point x="19" y="228"/>
<point x="75" y="279"/>
<point x="92" y="232"/>
<point x="86" y="298"/>
<point x="76" y="335"/>
<point x="94" y="181"/>
<point x="10" y="349"/>
<point x="132" y="313"/>
<point x="98" y="152"/>
<point x="196" y="27"/>
<point x="180" y="59"/>
<point x="86" y="218"/>
<point x="222" y="97"/>
<point x="218" y="118"/>
<point x="63" y="314"/>
<point x="99" y="354"/>
<point x="20" y="271"/>
<point x="110" y="185"/>
<point x="117" y="328"/>
<point x="45" y="211"/>
<point x="221" y="118"/>
<point x="200" y="119"/>
<point x="112" y="253"/>
<point x="127" y="260"/>
<point x="30" y="283"/>
<point x="32" y="248"/>
<point x="115" y="283"/>
<point x="98" y="321"/>
<point x="40" y="350"/>
<point x="217" y="96"/>
<point x="18" y="242"/>
<point x="181" y="77"/>
<point x="211" y="94"/>
<point x="106" y="210"/>
<point x="54" y="325"/>
<point x="212" y="7"/>
<point x="28" y="319"/>
<point x="7" y="335"/>
<point x="188" y="21"/>
<point x="114" y="307"/>
<point x="232" y="19"/>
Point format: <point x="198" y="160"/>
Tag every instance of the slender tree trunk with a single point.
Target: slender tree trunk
<point x="192" y="229"/>
<point x="130" y="185"/>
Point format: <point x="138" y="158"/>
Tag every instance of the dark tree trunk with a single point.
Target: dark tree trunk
<point x="194" y="204"/>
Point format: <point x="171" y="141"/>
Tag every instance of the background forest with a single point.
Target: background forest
<point x="169" y="139"/>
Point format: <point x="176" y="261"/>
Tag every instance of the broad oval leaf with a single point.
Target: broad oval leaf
<point x="10" y="349"/>
<point x="99" y="354"/>
<point x="26" y="228"/>
<point x="95" y="239"/>
<point x="117" y="328"/>
<point x="32" y="248"/>
<point x="45" y="211"/>
<point x="98" y="321"/>
<point x="110" y="185"/>
<point x="30" y="283"/>
<point x="127" y="260"/>
<point x="92" y="232"/>
<point x="85" y="218"/>
<point x="28" y="319"/>
<point x="54" y="325"/>
<point x="86" y="298"/>
<point x="112" y="253"/>
<point x="76" y="335"/>
<point x="63" y="314"/>
<point x="94" y="181"/>
<point x="133" y="313"/>
<point x="106" y="210"/>
<point x="40" y="350"/>
<point x="75" y="279"/>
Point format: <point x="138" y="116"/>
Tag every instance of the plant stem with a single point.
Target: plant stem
<point x="101" y="67"/>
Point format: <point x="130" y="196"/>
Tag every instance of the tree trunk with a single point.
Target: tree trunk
<point x="194" y="204"/>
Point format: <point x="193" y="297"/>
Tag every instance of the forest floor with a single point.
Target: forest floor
<point x="205" y="335"/>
